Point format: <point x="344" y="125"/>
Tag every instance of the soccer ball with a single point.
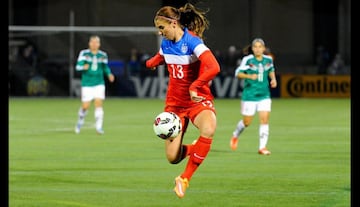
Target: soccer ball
<point x="167" y="125"/>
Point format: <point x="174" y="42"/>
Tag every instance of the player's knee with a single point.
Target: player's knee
<point x="98" y="103"/>
<point x="85" y="106"/>
<point x="208" y="131"/>
<point x="173" y="159"/>
<point x="246" y="122"/>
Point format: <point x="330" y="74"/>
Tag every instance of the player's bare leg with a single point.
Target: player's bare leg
<point x="173" y="149"/>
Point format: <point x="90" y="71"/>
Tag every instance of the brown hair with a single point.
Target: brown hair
<point x="188" y="16"/>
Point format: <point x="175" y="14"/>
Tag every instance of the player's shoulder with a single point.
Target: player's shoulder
<point x="248" y="57"/>
<point x="102" y="52"/>
<point x="84" y="51"/>
<point x="192" y="38"/>
<point x="268" y="57"/>
<point x="191" y="34"/>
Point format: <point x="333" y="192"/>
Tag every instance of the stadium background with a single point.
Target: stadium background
<point x="295" y="31"/>
<point x="50" y="165"/>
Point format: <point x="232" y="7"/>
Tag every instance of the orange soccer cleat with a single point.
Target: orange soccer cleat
<point x="234" y="143"/>
<point x="181" y="184"/>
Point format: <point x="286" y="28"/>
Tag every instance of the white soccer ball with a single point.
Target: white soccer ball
<point x="167" y="125"/>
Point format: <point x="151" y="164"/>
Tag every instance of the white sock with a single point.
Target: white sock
<point x="264" y="135"/>
<point x="81" y="115"/>
<point x="239" y="128"/>
<point x="99" y="117"/>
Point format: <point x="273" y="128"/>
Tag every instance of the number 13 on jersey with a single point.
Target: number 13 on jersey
<point x="177" y="71"/>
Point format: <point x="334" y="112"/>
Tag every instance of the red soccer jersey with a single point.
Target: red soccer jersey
<point x="191" y="66"/>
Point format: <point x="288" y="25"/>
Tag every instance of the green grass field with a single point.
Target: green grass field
<point x="51" y="166"/>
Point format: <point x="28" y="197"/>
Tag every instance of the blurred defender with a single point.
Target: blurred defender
<point x="256" y="69"/>
<point x="93" y="65"/>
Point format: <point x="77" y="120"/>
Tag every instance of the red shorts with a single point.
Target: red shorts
<point x="186" y="113"/>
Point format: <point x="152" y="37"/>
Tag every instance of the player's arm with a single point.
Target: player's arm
<point x="107" y="70"/>
<point x="81" y="63"/>
<point x="209" y="68"/>
<point x="273" y="82"/>
<point x="155" y="61"/>
<point x="242" y="75"/>
<point x="240" y="70"/>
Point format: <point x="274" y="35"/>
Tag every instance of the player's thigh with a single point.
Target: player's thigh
<point x="264" y="108"/>
<point x="99" y="92"/>
<point x="173" y="146"/>
<point x="181" y="112"/>
<point x="194" y="111"/>
<point x="248" y="108"/>
<point x="87" y="93"/>
<point x="203" y="116"/>
<point x="264" y="105"/>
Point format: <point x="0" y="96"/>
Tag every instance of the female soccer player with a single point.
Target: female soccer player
<point x="93" y="64"/>
<point x="255" y="69"/>
<point x="191" y="66"/>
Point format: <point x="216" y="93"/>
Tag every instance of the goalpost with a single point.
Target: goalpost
<point x="42" y="32"/>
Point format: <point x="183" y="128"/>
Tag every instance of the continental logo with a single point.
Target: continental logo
<point x="315" y="86"/>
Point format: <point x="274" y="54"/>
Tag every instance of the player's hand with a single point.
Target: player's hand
<point x="86" y="66"/>
<point x="253" y="76"/>
<point x="194" y="97"/>
<point x="111" y="78"/>
<point x="273" y="83"/>
<point x="147" y="65"/>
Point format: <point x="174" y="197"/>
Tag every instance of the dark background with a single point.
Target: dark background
<point x="296" y="31"/>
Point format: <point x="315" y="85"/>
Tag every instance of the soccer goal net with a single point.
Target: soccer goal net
<point x="42" y="60"/>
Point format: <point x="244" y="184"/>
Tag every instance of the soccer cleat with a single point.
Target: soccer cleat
<point x="234" y="143"/>
<point x="181" y="184"/>
<point x="100" y="131"/>
<point x="264" y="151"/>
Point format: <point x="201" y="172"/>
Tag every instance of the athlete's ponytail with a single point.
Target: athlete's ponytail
<point x="194" y="19"/>
<point x="188" y="16"/>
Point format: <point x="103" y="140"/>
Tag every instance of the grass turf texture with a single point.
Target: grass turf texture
<point x="50" y="165"/>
